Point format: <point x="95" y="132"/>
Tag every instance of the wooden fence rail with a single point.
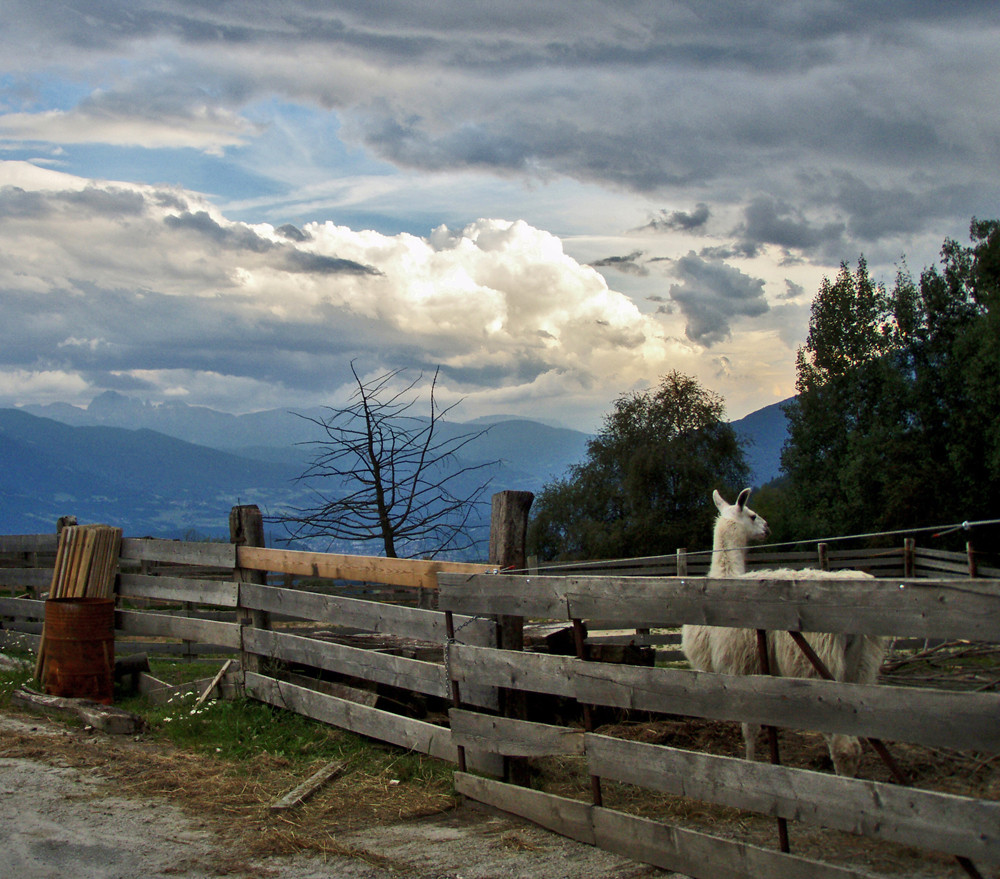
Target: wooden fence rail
<point x="966" y="827"/>
<point x="165" y="584"/>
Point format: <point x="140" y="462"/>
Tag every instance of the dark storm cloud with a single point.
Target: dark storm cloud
<point x="711" y="294"/>
<point x="770" y="221"/>
<point x="628" y="265"/>
<point x="680" y="221"/>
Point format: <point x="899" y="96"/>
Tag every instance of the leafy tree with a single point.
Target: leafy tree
<point x="383" y="474"/>
<point x="895" y="419"/>
<point x="642" y="489"/>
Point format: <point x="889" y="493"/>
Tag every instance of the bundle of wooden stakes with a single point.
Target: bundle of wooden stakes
<point x="86" y="562"/>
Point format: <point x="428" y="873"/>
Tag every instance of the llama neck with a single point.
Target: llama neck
<point x="729" y="552"/>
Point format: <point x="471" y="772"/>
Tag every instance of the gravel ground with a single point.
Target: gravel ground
<point x="60" y="821"/>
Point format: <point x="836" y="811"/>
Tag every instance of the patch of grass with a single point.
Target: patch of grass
<point x="13" y="678"/>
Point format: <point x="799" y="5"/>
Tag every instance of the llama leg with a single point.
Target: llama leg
<point x="846" y="754"/>
<point x="751" y="731"/>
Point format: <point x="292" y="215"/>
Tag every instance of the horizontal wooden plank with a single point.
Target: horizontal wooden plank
<point x="931" y="717"/>
<point x="704" y="856"/>
<point x="20" y="640"/>
<point x="424" y="625"/>
<point x="216" y="555"/>
<point x="926" y="819"/>
<point x="895" y="607"/>
<point x="29" y="578"/>
<point x="417" y="573"/>
<point x="513" y="738"/>
<point x="26" y="608"/>
<point x="414" y="735"/>
<point x="161" y="625"/>
<point x="690" y="852"/>
<point x="29" y="542"/>
<point x="222" y="593"/>
<point x="567" y="817"/>
<point x="370" y="665"/>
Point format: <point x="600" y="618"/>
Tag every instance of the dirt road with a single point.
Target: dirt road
<point x="62" y="821"/>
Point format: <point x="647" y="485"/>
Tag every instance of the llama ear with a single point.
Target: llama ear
<point x="741" y="501"/>
<point x="719" y="502"/>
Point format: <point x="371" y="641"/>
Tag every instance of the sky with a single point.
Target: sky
<point x="229" y="203"/>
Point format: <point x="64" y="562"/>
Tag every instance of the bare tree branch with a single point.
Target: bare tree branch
<point x="382" y="473"/>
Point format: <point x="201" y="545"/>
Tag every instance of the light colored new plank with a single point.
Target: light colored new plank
<point x="396" y="572"/>
<point x="215" y="555"/>
<point x="414" y="735"/>
<point x="513" y="738"/>
<point x="221" y="593"/>
<point x="160" y="625"/>
<point x="942" y="822"/>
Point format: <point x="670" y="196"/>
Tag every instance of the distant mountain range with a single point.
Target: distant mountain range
<point x="175" y="470"/>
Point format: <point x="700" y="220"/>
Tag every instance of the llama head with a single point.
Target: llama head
<point x="741" y="524"/>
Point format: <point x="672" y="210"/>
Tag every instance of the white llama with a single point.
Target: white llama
<point x="849" y="658"/>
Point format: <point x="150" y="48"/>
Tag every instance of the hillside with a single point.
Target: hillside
<point x="176" y="469"/>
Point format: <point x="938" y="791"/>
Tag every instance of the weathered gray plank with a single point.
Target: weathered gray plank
<point x="21" y="640"/>
<point x="29" y="542"/>
<point x="160" y="625"/>
<point x="216" y="555"/>
<point x="414" y="735"/>
<point x="929" y="717"/>
<point x="930" y="608"/>
<point x="396" y="671"/>
<point x="537" y="672"/>
<point x="513" y="738"/>
<point x="222" y="593"/>
<point x="926" y="819"/>
<point x="28" y="608"/>
<point x="35" y="578"/>
<point x="687" y="851"/>
<point x="702" y="855"/>
<point x="567" y="817"/>
<point x="372" y="616"/>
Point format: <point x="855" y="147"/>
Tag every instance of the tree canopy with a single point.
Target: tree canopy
<point x="643" y="486"/>
<point x="895" y="423"/>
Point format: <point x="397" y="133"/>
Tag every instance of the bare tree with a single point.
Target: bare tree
<point x="382" y="473"/>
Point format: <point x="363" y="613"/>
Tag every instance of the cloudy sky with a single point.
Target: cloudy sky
<point x="225" y="203"/>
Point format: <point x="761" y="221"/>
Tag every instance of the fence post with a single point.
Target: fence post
<point x="970" y="554"/>
<point x="246" y="528"/>
<point x="682" y="562"/>
<point x="823" y="556"/>
<point x="909" y="557"/>
<point x="508" y="550"/>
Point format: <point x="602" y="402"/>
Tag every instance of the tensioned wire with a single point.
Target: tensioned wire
<point x="941" y="530"/>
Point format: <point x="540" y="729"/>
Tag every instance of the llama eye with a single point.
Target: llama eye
<point x="753" y="518"/>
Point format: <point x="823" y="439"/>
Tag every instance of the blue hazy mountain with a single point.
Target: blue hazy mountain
<point x="173" y="470"/>
<point x="764" y="433"/>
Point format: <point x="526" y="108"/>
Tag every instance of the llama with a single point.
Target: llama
<point x="849" y="658"/>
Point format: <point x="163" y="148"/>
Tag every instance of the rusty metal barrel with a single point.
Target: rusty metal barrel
<point x="80" y="648"/>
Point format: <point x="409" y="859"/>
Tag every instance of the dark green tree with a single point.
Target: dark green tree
<point x="842" y="418"/>
<point x="643" y="486"/>
<point x="895" y="420"/>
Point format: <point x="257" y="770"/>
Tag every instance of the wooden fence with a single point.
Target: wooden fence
<point x="297" y="653"/>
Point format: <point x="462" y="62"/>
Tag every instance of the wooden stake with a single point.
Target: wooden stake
<point x="215" y="681"/>
<point x="309" y="786"/>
